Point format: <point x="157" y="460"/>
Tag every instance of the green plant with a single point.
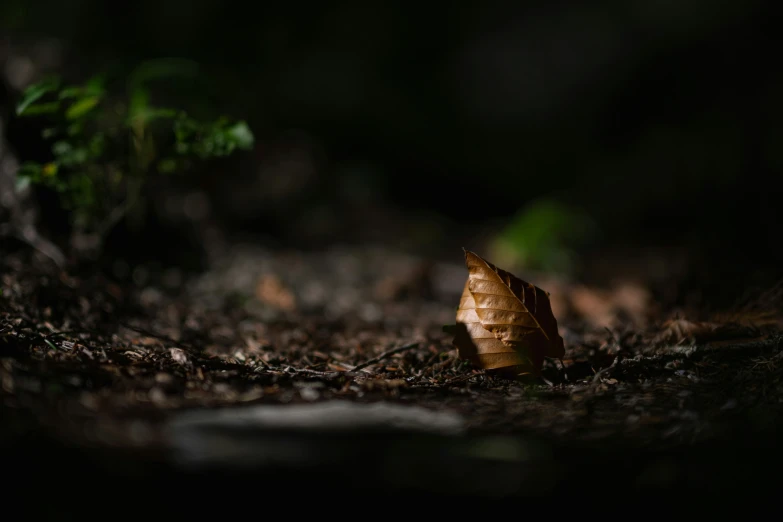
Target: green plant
<point x="544" y="236"/>
<point x="106" y="147"/>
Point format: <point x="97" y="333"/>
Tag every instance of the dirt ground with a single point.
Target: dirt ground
<point x="98" y="379"/>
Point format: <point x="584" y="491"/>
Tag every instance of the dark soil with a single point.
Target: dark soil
<point x="93" y="371"/>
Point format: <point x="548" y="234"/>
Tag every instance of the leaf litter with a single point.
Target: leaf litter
<point x="280" y="329"/>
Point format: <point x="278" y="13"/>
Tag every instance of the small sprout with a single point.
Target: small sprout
<point x="99" y="178"/>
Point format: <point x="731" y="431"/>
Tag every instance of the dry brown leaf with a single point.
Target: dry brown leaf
<point x="601" y="307"/>
<point x="758" y="318"/>
<point x="271" y="290"/>
<point x="503" y="322"/>
<point x="678" y="331"/>
<point x="683" y="331"/>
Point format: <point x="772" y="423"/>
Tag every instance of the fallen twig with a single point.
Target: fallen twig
<point x="319" y="373"/>
<point x="600" y="373"/>
<point x="353" y="372"/>
<point x="31" y="237"/>
<point x="384" y="355"/>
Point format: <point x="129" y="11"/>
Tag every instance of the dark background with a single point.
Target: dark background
<point x="432" y="127"/>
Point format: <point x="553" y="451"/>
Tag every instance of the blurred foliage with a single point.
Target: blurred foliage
<point x="544" y="235"/>
<point x="105" y="147"/>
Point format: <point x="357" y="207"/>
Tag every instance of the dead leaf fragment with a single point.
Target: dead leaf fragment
<point x="602" y="307"/>
<point x="682" y="331"/>
<point x="271" y="290"/>
<point x="503" y="322"/>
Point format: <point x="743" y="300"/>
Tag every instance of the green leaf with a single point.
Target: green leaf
<point x="71" y="92"/>
<point x="61" y="148"/>
<point x="545" y="236"/>
<point x="208" y="140"/>
<point x="242" y="135"/>
<point x="95" y="86"/>
<point x="79" y="156"/>
<point x="30" y="170"/>
<point x="82" y="107"/>
<point x="41" y="108"/>
<point x="140" y="113"/>
<point x="68" y="155"/>
<point x="35" y="92"/>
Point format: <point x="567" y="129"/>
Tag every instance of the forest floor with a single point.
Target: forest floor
<point x="331" y="372"/>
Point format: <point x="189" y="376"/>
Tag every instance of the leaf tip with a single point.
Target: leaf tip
<point x="469" y="255"/>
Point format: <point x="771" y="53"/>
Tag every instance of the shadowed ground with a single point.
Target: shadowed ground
<point x="330" y="373"/>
